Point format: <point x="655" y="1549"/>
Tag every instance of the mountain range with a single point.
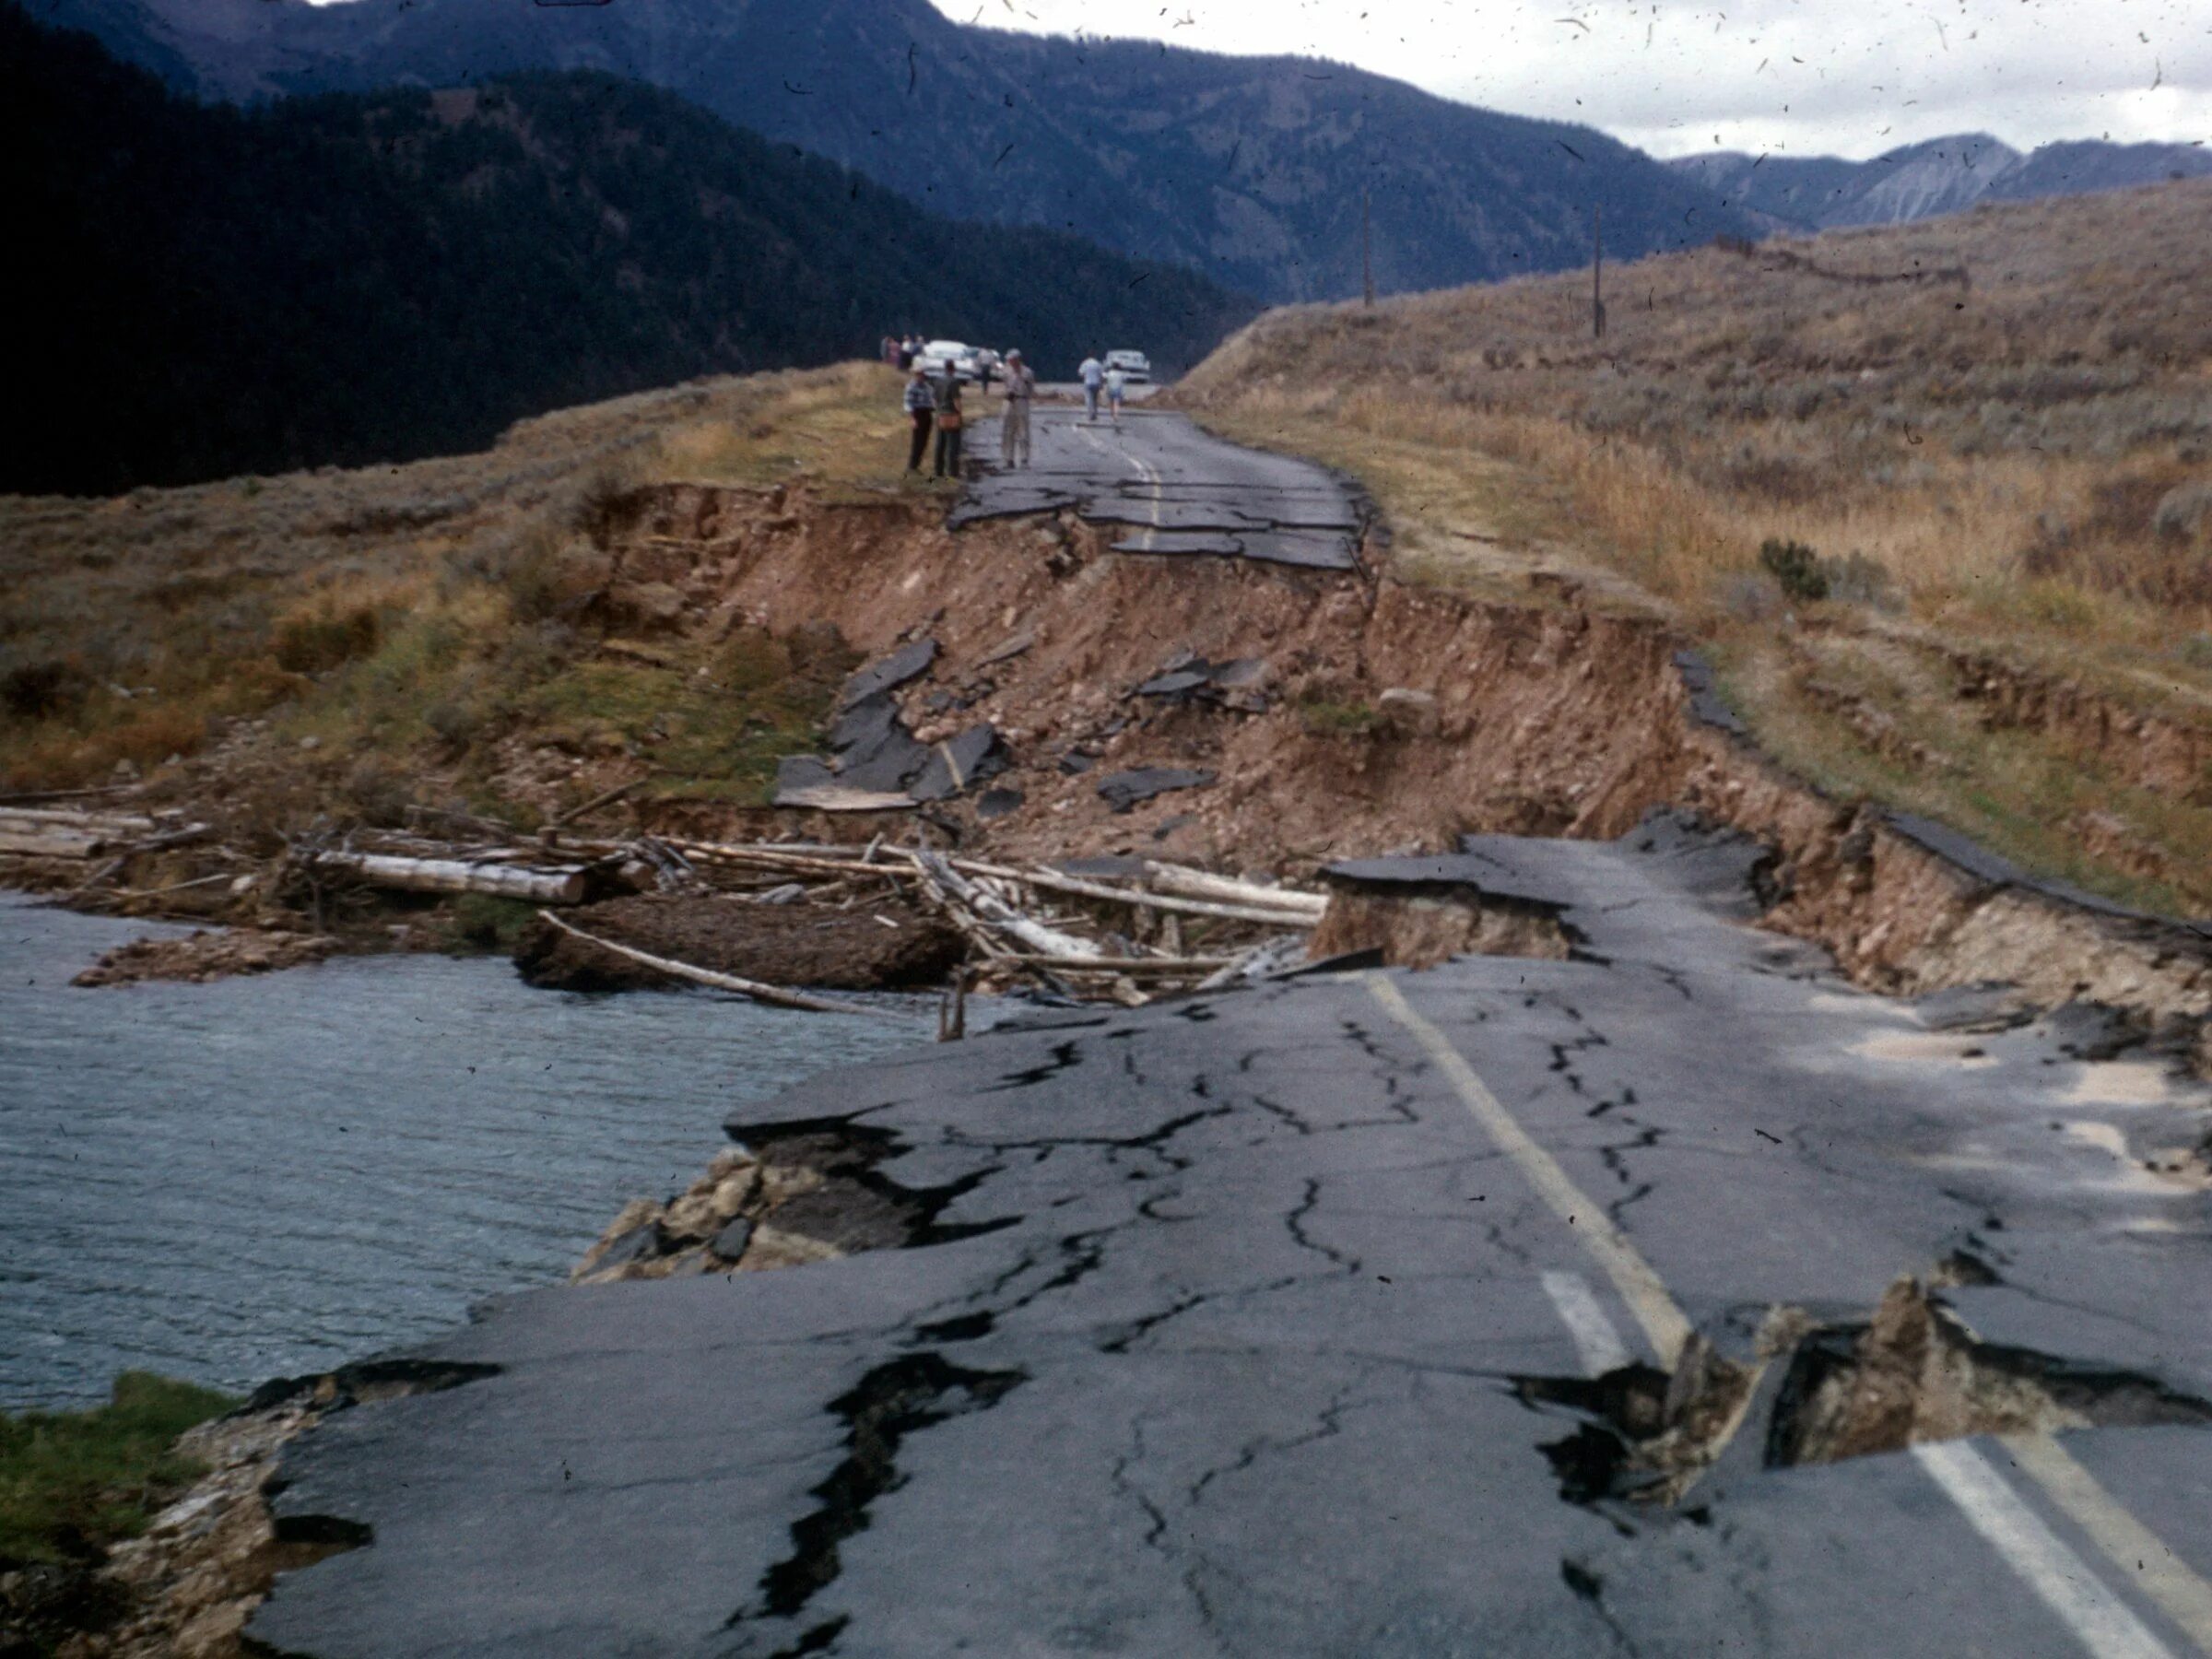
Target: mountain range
<point x="1939" y="175"/>
<point x="1254" y="170"/>
<point x="351" y="278"/>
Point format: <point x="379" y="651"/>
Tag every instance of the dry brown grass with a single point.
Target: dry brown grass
<point x="2020" y="466"/>
<point x="406" y="618"/>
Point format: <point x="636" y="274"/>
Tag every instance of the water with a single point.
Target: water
<point x="267" y="1176"/>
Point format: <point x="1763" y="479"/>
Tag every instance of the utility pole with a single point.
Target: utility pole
<point x="1366" y="245"/>
<point x="1597" y="271"/>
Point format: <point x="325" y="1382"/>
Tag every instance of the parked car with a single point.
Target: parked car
<point x="973" y="364"/>
<point x="1135" y="365"/>
<point x="938" y="353"/>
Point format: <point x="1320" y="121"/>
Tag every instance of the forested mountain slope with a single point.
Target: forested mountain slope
<point x="1252" y="170"/>
<point x="345" y="280"/>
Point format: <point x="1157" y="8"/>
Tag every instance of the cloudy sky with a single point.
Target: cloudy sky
<point x="1850" y="77"/>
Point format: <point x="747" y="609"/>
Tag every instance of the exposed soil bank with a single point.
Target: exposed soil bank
<point x="1386" y="717"/>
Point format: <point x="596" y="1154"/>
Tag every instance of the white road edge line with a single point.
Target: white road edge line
<point x="2062" y="1580"/>
<point x="1596" y="1339"/>
<point x="2145" y="1559"/>
<point x="1638" y="1285"/>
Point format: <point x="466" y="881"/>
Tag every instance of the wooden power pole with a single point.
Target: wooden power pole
<point x="1597" y="271"/>
<point x="1366" y="245"/>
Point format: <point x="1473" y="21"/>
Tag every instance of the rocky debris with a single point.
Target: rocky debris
<point x="883" y="943"/>
<point x="808" y="1193"/>
<point x="204" y="956"/>
<point x="1124" y="790"/>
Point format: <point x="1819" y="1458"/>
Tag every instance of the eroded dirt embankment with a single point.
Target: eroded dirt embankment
<point x="1386" y="717"/>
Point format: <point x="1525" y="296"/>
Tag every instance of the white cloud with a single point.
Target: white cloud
<point x="1804" y="77"/>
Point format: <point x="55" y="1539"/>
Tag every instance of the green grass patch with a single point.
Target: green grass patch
<point x="72" y="1483"/>
<point x="713" y="727"/>
<point x="1326" y="717"/>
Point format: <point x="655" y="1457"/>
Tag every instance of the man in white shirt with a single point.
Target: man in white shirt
<point x="1093" y="376"/>
<point x="1014" y="429"/>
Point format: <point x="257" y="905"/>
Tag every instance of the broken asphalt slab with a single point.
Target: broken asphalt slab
<point x="1125" y="791"/>
<point x="1224" y="1349"/>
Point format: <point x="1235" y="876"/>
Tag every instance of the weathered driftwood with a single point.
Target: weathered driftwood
<point x="1052" y="881"/>
<point x="1044" y="941"/>
<point x="1201" y="883"/>
<point x="116" y="824"/>
<point x="708" y="976"/>
<point x="448" y="876"/>
<point x="1139" y="966"/>
<point x="51" y="845"/>
<point x="605" y="797"/>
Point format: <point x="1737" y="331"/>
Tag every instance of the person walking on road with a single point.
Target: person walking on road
<point x="1117" y="384"/>
<point x="951" y="423"/>
<point x="1014" y="429"/>
<point x="1093" y="376"/>
<point x="921" y="411"/>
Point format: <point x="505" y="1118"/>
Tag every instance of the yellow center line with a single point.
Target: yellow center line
<point x="2147" y="1560"/>
<point x="1637" y="1281"/>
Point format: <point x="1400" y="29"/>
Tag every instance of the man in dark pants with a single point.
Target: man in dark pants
<point x="950" y="423"/>
<point x="921" y="409"/>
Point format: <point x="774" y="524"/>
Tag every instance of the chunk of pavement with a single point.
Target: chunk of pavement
<point x="1123" y="791"/>
<point x="641" y="1244"/>
<point x="730" y="1242"/>
<point x="888" y="673"/>
<point x="1075" y="762"/>
<point x="1180" y="684"/>
<point x="875" y="751"/>
<point x="997" y="804"/>
<point x="1187" y="677"/>
<point x="958" y="763"/>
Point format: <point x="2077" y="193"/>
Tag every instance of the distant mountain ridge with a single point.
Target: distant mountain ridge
<point x="350" y="279"/>
<point x="1940" y="175"/>
<point x="1253" y="169"/>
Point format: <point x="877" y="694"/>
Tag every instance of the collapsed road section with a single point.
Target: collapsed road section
<point x="1163" y="487"/>
<point x="1657" y="1285"/>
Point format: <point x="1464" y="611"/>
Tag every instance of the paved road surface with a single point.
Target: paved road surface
<point x="1260" y="1325"/>
<point x="1172" y="487"/>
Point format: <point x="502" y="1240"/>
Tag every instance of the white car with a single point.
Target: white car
<point x="1133" y="365"/>
<point x="968" y="361"/>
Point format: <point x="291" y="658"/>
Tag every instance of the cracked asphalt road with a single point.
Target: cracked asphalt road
<point x="1169" y="489"/>
<point x="1233" y="1361"/>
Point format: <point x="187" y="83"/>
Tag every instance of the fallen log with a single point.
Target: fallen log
<point x="50" y="846"/>
<point x="1044" y="941"/>
<point x="91" y="823"/>
<point x="1052" y="881"/>
<point x="708" y="976"/>
<point x="446" y="875"/>
<point x="1201" y="883"/>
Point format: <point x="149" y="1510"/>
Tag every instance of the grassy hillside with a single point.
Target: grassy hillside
<point x="347" y="280"/>
<point x="354" y="643"/>
<point x="1996" y="472"/>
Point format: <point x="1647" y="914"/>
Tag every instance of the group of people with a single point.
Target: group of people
<point x="932" y="407"/>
